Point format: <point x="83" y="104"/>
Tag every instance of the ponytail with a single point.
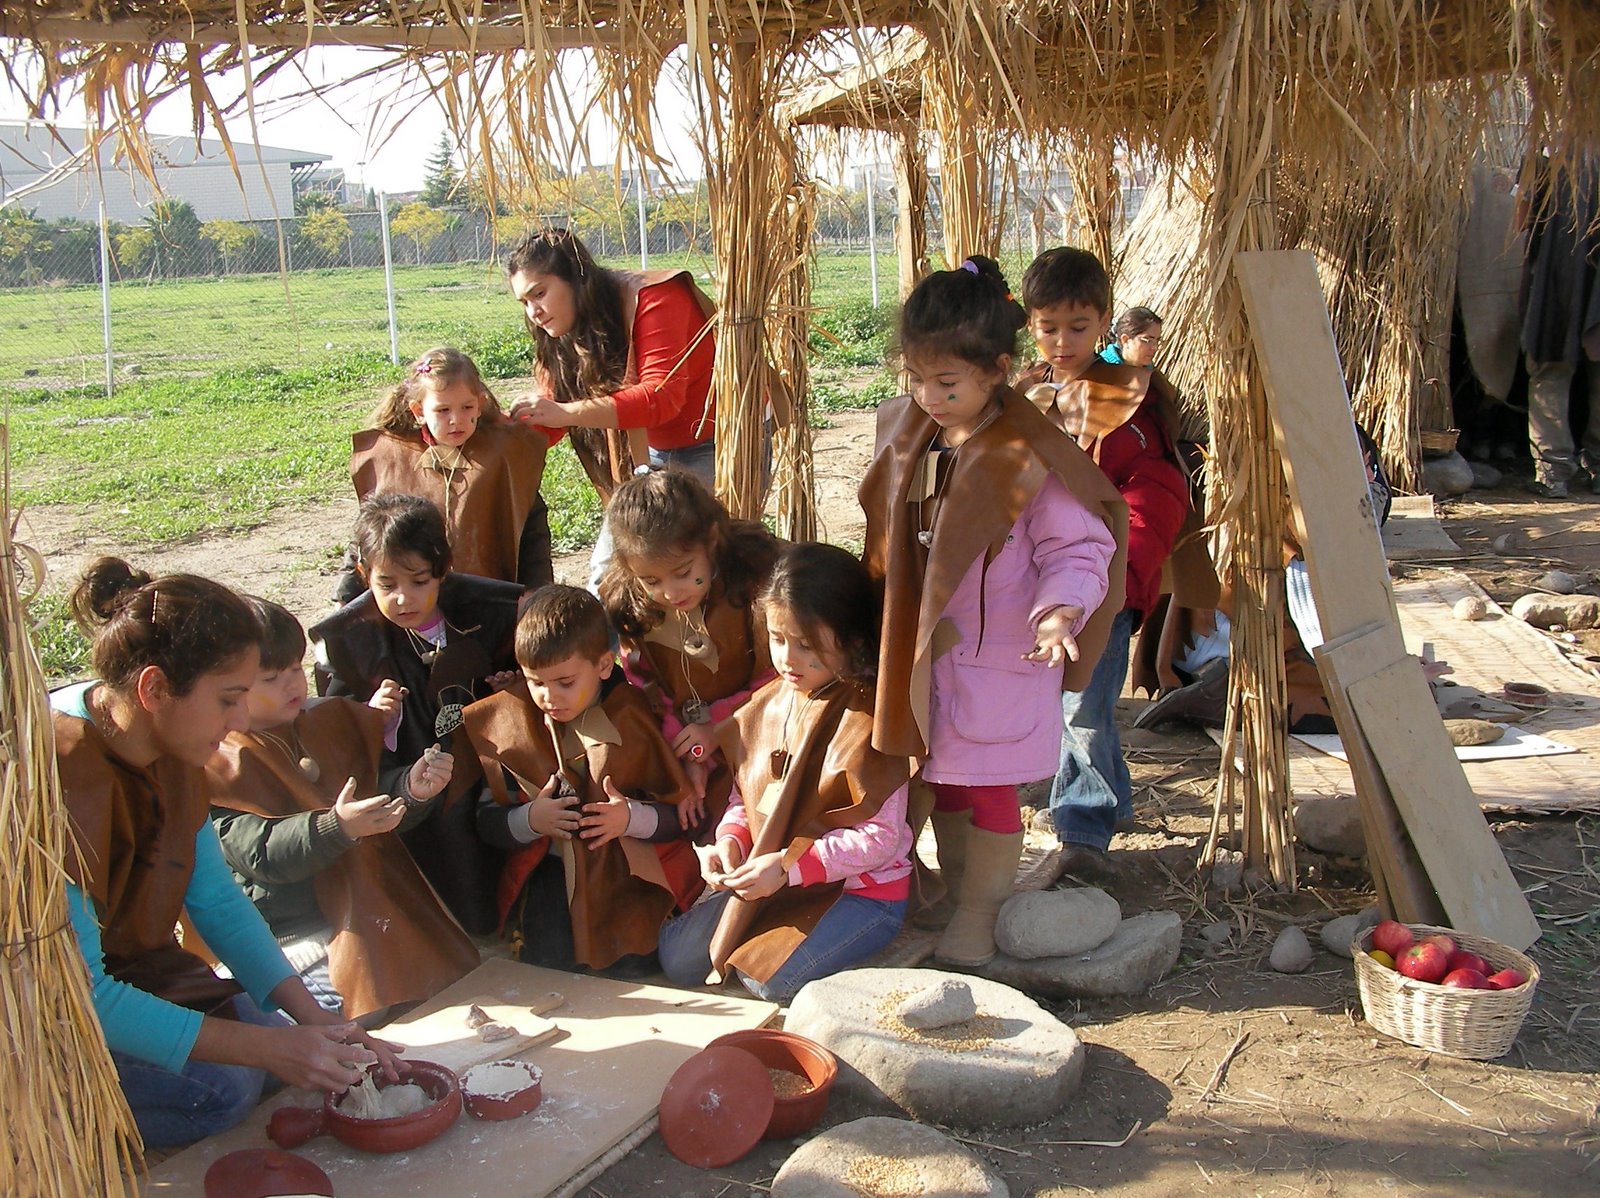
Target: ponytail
<point x="966" y="313"/>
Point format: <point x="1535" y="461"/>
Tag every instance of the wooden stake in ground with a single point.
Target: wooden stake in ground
<point x="68" y="1128"/>
<point x="1387" y="715"/>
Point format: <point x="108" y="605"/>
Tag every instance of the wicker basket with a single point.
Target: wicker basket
<point x="1438" y="442"/>
<point x="1477" y="1024"/>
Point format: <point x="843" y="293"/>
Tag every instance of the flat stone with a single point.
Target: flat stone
<point x="1291" y="951"/>
<point x="1331" y="825"/>
<point x="1138" y="955"/>
<point x="1217" y="933"/>
<point x="1557" y="582"/>
<point x="1337" y="934"/>
<point x="1056" y="923"/>
<point x="878" y="1155"/>
<point x="1449" y="475"/>
<point x="1558" y="611"/>
<point x="945" y="1002"/>
<point x="1014" y="1064"/>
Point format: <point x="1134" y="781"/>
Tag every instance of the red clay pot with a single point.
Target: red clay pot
<point x="785" y="1050"/>
<point x="498" y="1102"/>
<point x="292" y="1126"/>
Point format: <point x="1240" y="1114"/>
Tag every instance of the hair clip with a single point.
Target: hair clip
<point x="422" y="366"/>
<point x="970" y="266"/>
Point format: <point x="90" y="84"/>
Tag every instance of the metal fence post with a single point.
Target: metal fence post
<point x="105" y="294"/>
<point x="388" y="277"/>
<point x="872" y="226"/>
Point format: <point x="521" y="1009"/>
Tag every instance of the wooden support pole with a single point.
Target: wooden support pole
<point x="911" y="195"/>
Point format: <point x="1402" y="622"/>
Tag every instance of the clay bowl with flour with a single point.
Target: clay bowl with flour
<point x="499" y="1090"/>
<point x="292" y="1126"/>
<point x="802" y="1071"/>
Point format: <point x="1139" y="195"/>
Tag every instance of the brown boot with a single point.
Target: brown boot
<point x="950" y="829"/>
<point x="989" y="880"/>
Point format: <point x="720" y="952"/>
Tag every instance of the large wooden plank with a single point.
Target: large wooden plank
<point x="602" y="1082"/>
<point x="1395" y="712"/>
<point x="1316" y="435"/>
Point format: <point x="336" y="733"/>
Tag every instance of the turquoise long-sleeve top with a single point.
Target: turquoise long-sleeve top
<point x="135" y="1021"/>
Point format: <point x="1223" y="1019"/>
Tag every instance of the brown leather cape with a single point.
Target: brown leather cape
<point x="619" y="895"/>
<point x="833" y="778"/>
<point x="999" y="471"/>
<point x="743" y="656"/>
<point x="134" y="832"/>
<point x="392" y="940"/>
<point x="485" y="500"/>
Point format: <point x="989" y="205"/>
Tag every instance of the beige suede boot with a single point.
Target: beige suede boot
<point x="950" y="828"/>
<point x="989" y="880"/>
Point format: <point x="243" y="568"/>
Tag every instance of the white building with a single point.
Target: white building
<point x="51" y="180"/>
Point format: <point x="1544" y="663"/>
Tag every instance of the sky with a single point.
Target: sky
<point x="381" y="132"/>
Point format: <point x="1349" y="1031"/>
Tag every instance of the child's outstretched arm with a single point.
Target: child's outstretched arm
<point x="1072" y="553"/>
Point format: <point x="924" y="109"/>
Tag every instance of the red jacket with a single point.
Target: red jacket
<point x="671" y="398"/>
<point x="1141" y="462"/>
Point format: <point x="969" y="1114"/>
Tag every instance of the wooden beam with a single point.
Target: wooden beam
<point x="288" y="35"/>
<point x="911" y="197"/>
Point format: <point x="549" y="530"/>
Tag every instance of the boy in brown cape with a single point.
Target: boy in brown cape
<point x="584" y="794"/>
<point x="342" y="896"/>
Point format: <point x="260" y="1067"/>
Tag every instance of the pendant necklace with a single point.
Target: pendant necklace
<point x="695" y="636"/>
<point x="295" y="752"/>
<point x="925" y="532"/>
<point x="424" y="648"/>
<point x="780" y="759"/>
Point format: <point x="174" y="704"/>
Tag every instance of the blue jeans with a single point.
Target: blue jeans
<point x="205" y="1098"/>
<point x="1092" y="790"/>
<point x="852" y="930"/>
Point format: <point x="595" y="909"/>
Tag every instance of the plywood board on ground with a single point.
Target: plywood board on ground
<point x="602" y="1082"/>
<point x="1413" y="531"/>
<point x="1484" y="654"/>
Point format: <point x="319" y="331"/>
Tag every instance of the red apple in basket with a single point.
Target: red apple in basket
<point x="1424" y="962"/>
<point x="1506" y="979"/>
<point x="1465" y="979"/>
<point x="1462" y="959"/>
<point x="1443" y="942"/>
<point x="1392" y="937"/>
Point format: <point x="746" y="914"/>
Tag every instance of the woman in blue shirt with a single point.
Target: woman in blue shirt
<point x="1135" y="338"/>
<point x="175" y="657"/>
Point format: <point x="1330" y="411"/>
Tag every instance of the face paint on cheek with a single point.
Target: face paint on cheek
<point x="951" y="398"/>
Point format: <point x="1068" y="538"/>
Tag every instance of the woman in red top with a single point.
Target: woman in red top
<point x="622" y="350"/>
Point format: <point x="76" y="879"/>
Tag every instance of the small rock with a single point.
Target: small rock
<point x="879" y="1155"/>
<point x="132" y="370"/>
<point x="1570" y="638"/>
<point x="1449" y="475"/>
<point x="1227" y="872"/>
<point x="1056" y="923"/>
<point x="945" y="1002"/>
<point x="1567" y="611"/>
<point x="1291" y="952"/>
<point x="1507" y="541"/>
<point x="1337" y="934"/>
<point x="1473" y="732"/>
<point x="1018" y="1064"/>
<point x="1557" y="582"/>
<point x="1485" y="477"/>
<point x="30" y="372"/>
<point x="1331" y="825"/>
<point x="1217" y="933"/>
<point x="1136" y="957"/>
<point x="1470" y="607"/>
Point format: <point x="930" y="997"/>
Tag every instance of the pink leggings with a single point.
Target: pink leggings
<point x="994" y="808"/>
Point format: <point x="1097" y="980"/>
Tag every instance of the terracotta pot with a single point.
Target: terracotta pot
<point x="261" y="1172"/>
<point x="785" y="1050"/>
<point x="487" y="1090"/>
<point x="292" y="1126"/>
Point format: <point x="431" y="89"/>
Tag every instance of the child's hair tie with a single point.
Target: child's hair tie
<point x="970" y="266"/>
<point x="422" y="366"/>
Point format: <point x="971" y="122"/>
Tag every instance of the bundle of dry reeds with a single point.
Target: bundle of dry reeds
<point x="68" y="1129"/>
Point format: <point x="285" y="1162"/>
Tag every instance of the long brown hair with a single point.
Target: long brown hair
<point x="185" y="626"/>
<point x="442" y="366"/>
<point x="592" y="358"/>
<point x="670" y="511"/>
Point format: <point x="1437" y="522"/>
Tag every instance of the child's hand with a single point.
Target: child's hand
<point x="693" y="809"/>
<point x="360" y="818"/>
<point x="430" y="773"/>
<point x="504" y="680"/>
<point x="604" y="821"/>
<point x="696" y="742"/>
<point x="387" y="697"/>
<point x="550" y="815"/>
<point x="758" y="877"/>
<point x="718" y="860"/>
<point x="1053" y="643"/>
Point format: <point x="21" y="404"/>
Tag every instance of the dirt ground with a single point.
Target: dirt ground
<point x="1227" y="1078"/>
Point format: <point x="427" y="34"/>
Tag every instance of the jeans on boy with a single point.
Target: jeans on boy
<point x="1092" y="789"/>
<point x="205" y="1098"/>
<point x="852" y="930"/>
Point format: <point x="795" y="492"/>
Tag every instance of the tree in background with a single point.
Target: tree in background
<point x="328" y="230"/>
<point x="228" y="237"/>
<point x="21" y="239"/>
<point x="688" y="210"/>
<point x="174" y="237"/>
<point x="420" y="223"/>
<point x="439" y="185"/>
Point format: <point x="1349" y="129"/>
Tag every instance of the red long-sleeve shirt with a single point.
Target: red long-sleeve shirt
<point x="672" y="397"/>
<point x="1141" y="463"/>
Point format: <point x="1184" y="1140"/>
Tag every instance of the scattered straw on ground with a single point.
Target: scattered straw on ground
<point x="884" y="1177"/>
<point x="974" y="1035"/>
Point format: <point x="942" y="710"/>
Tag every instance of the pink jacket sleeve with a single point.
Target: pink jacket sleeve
<point x="868" y="846"/>
<point x="1072" y="548"/>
